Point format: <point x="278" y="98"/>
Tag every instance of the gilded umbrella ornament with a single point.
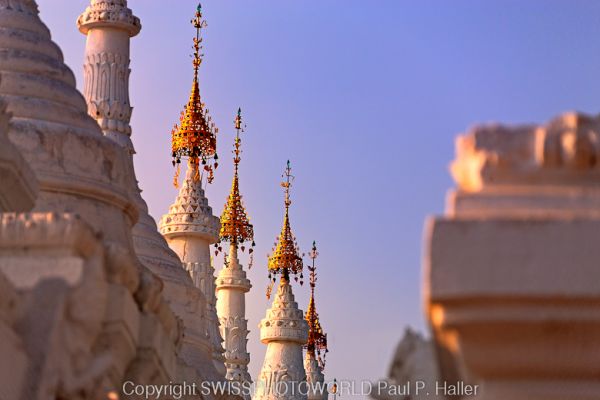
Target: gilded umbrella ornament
<point x="285" y="259"/>
<point x="235" y="223"/>
<point x="195" y="137"/>
<point x="317" y="338"/>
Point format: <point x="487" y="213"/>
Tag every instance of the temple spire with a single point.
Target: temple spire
<point x="316" y="345"/>
<point x="317" y="339"/>
<point x="235" y="223"/>
<point x="285" y="259"/>
<point x="284" y="329"/>
<point x="195" y="137"/>
<point x="190" y="226"/>
<point x="232" y="282"/>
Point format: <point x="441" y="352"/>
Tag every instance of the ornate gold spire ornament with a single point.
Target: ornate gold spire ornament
<point x="195" y="137"/>
<point x="235" y="223"/>
<point x="334" y="389"/>
<point x="317" y="339"/>
<point x="285" y="259"/>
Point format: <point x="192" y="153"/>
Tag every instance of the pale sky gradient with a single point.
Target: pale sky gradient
<point x="365" y="98"/>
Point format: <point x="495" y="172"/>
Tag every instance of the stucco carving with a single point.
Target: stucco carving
<point x="281" y="381"/>
<point x="190" y="228"/>
<point x="284" y="321"/>
<point x="113" y="12"/>
<point x="231" y="286"/>
<point x="202" y="274"/>
<point x="234" y="331"/>
<point x="106" y="90"/>
<point x="67" y="300"/>
<point x="190" y="214"/>
<point x="17" y="178"/>
<point x="284" y="330"/>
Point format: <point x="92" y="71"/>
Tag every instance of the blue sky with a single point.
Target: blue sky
<point x="365" y="99"/>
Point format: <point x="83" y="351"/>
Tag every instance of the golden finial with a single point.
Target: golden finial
<point x="195" y="137"/>
<point x="285" y="259"/>
<point x="317" y="339"/>
<point x="235" y="223"/>
<point x="334" y="388"/>
<point x="237" y="143"/>
<point x="198" y="23"/>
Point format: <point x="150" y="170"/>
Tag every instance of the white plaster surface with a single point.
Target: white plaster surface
<point x="510" y="270"/>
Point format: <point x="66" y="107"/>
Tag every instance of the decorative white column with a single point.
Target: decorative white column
<point x="108" y="25"/>
<point x="190" y="228"/>
<point x="232" y="285"/>
<point x="284" y="329"/>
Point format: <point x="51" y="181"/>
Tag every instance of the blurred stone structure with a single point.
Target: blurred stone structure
<point x="511" y="269"/>
<point x="414" y="361"/>
<point x="18" y="192"/>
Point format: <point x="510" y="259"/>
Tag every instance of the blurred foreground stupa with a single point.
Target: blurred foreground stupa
<point x="511" y="269"/>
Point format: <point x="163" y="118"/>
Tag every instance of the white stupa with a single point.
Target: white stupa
<point x="284" y="329"/>
<point x="232" y="282"/>
<point x="190" y="226"/>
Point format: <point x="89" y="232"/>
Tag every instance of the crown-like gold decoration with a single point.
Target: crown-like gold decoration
<point x="285" y="259"/>
<point x="235" y="223"/>
<point x="195" y="137"/>
<point x="317" y="339"/>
